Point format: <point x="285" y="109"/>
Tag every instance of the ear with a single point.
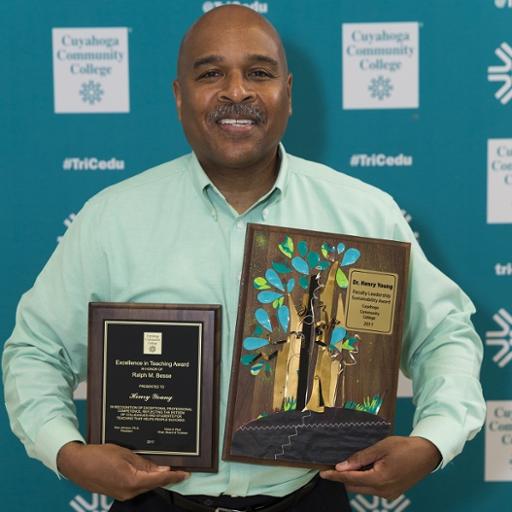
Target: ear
<point x="177" y="96"/>
<point x="289" y="90"/>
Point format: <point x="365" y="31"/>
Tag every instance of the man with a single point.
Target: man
<point x="175" y="234"/>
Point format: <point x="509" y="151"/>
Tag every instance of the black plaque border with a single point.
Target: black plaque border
<point x="210" y="318"/>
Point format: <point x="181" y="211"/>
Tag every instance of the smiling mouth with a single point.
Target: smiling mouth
<point x="236" y="122"/>
<point x="235" y="127"/>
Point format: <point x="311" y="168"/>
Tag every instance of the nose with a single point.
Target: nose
<point x="237" y="89"/>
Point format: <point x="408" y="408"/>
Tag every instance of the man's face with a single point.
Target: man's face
<point x="233" y="94"/>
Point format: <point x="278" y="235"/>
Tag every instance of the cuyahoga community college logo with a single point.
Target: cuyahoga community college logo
<point x="501" y="338"/>
<point x="94" y="503"/>
<point x="380" y="65"/>
<point x="502" y="73"/>
<point x="90" y="70"/>
<point x="364" y="503"/>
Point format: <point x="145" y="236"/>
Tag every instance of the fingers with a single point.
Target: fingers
<point x="363" y="458"/>
<point x="146" y="481"/>
<point x="369" y="478"/>
<point x="115" y="471"/>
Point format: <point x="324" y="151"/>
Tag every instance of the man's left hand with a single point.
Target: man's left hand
<point x="396" y="464"/>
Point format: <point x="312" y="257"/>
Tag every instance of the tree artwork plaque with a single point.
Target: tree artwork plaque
<point x="317" y="346"/>
<point x="152" y="381"/>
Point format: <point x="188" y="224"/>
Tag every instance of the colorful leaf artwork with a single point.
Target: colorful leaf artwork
<point x="281" y="267"/>
<point x="341" y="279"/>
<point x="274" y="279"/>
<point x="286" y="247"/>
<point x="283" y="315"/>
<point x="300" y="265"/>
<point x="268" y="297"/>
<point x="302" y="247"/>
<point x="247" y="359"/>
<point x="260" y="283"/>
<point x="252" y="343"/>
<point x="350" y="257"/>
<point x="263" y="319"/>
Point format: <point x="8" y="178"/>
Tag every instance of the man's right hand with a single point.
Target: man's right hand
<point x="112" y="470"/>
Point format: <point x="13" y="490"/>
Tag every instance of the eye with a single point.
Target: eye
<point x="210" y="74"/>
<point x="260" y="74"/>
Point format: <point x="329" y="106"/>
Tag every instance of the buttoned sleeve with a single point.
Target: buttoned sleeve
<point x="441" y="353"/>
<point x="46" y="356"/>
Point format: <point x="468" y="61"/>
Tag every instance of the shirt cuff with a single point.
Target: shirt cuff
<point x="444" y="433"/>
<point x="52" y="436"/>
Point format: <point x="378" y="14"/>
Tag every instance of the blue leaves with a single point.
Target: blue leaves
<point x="351" y="256"/>
<point x="252" y="343"/>
<point x="247" y="359"/>
<point x="263" y="319"/>
<point x="281" y="267"/>
<point x="290" y="285"/>
<point x="302" y="248"/>
<point x="274" y="279"/>
<point x="313" y="259"/>
<point x="338" y="333"/>
<point x="323" y="265"/>
<point x="300" y="265"/>
<point x="268" y="297"/>
<point x="304" y="282"/>
<point x="283" y="315"/>
<point x="340" y="248"/>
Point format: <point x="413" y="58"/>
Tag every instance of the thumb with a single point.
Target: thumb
<point x="362" y="458"/>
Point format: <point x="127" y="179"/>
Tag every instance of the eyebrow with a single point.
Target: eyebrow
<point x="216" y="59"/>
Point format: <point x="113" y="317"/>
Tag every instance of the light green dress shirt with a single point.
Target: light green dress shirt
<point x="167" y="235"/>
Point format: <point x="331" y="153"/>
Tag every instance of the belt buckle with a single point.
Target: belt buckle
<point x="224" y="509"/>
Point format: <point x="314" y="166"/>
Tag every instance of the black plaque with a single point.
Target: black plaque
<point x="153" y="381"/>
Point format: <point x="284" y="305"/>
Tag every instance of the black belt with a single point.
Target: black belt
<point x="208" y="503"/>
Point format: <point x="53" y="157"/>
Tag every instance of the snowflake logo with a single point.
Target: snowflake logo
<point x="502" y="73"/>
<point x="363" y="504"/>
<point x="91" y="92"/>
<point x="380" y="88"/>
<point x="501" y="338"/>
<point x="97" y="503"/>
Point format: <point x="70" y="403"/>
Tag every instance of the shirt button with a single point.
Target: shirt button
<point x="264" y="213"/>
<point x="240" y="225"/>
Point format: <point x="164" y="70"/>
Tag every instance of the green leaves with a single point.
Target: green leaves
<point x="260" y="283"/>
<point x="278" y="302"/>
<point x="341" y="279"/>
<point x="286" y="247"/>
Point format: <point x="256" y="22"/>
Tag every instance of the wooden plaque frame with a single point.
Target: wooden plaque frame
<point x="154" y="384"/>
<point x="343" y="395"/>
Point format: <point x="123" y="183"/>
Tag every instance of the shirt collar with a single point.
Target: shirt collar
<point x="201" y="181"/>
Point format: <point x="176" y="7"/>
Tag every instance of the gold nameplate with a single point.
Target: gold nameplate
<point x="371" y="300"/>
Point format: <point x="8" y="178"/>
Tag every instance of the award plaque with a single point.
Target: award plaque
<point x="317" y="346"/>
<point x="153" y="378"/>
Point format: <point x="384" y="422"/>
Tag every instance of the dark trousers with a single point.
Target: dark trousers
<point x="326" y="496"/>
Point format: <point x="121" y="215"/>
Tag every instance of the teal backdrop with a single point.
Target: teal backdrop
<point x="439" y="172"/>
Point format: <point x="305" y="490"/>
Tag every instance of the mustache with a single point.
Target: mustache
<point x="235" y="110"/>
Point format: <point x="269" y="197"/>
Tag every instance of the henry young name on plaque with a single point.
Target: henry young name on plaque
<point x="153" y="375"/>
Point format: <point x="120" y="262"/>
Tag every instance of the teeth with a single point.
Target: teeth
<point x="241" y="122"/>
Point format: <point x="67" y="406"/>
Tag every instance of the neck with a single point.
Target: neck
<point x="242" y="187"/>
